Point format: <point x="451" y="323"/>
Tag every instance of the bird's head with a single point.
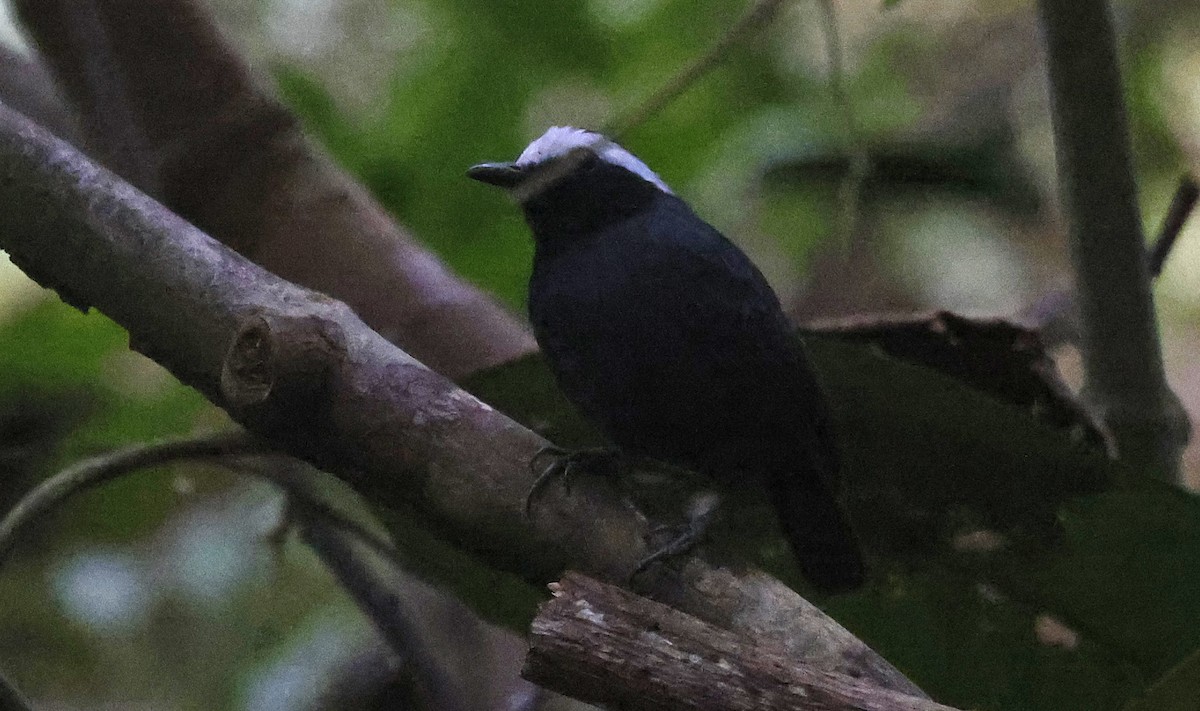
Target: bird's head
<point x="573" y="173"/>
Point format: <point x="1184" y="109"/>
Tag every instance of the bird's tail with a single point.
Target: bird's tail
<point x="817" y="528"/>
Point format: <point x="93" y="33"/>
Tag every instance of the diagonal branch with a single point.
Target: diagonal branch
<point x="293" y="366"/>
<point x="167" y="103"/>
<point x="1178" y="212"/>
<point x="303" y="372"/>
<point x="394" y="616"/>
<point x="758" y="15"/>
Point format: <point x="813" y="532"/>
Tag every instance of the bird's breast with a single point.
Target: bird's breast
<point x="653" y="358"/>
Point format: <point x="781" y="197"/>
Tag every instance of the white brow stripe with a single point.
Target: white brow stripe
<point x="560" y="140"/>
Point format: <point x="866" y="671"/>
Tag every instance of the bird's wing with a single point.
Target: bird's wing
<point x="733" y="315"/>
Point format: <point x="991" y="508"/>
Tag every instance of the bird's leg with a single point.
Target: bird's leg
<point x="702" y="509"/>
<point x="568" y="462"/>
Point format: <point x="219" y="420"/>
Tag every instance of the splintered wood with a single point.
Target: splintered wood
<point x="605" y="645"/>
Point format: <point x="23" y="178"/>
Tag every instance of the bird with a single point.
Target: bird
<point x="668" y="339"/>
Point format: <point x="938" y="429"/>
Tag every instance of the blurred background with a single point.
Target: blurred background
<point x="943" y="102"/>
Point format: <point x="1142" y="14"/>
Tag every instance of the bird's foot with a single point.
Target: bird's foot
<point x="566" y="463"/>
<point x="701" y="512"/>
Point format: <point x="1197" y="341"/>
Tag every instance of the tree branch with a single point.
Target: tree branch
<point x="27" y="85"/>
<point x="393" y="616"/>
<point x="758" y="15"/>
<point x="858" y="159"/>
<point x="1122" y="357"/>
<point x="332" y="535"/>
<point x="604" y="645"/>
<point x="1180" y="209"/>
<point x="438" y="464"/>
<point x="94" y="472"/>
<point x="167" y="103"/>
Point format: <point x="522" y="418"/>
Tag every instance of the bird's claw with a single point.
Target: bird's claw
<point x="686" y="537"/>
<point x="701" y="511"/>
<point x="565" y="464"/>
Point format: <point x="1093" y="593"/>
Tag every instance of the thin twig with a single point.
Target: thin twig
<point x="1055" y="312"/>
<point x="760" y="14"/>
<point x="329" y="532"/>
<point x="378" y="599"/>
<point x="858" y="160"/>
<point x="295" y="480"/>
<point x="93" y="472"/>
<point x="335" y="538"/>
<point x="1177" y="215"/>
<point x="90" y="473"/>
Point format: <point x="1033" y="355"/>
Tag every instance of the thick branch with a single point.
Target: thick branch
<point x="1122" y="356"/>
<point x="604" y="645"/>
<point x="357" y="406"/>
<point x="372" y="414"/>
<point x="167" y="103"/>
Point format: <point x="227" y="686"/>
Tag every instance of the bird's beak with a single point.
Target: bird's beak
<point x="504" y="175"/>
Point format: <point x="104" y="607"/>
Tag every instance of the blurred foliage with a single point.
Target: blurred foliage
<point x="72" y="369"/>
<point x="1155" y="148"/>
<point x="492" y="86"/>
<point x="81" y="365"/>
<point x="930" y="458"/>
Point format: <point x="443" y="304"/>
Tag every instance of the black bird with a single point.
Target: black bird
<point x="667" y="338"/>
